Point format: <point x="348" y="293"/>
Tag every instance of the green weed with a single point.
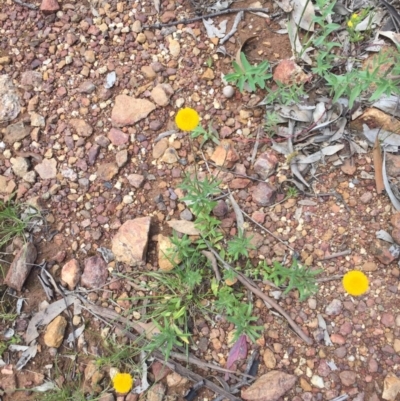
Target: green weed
<point x="285" y="94"/>
<point x="294" y="277"/>
<point x="11" y="223"/>
<point x="252" y="75"/>
<point x="271" y="122"/>
<point x="292" y="192"/>
<point x="207" y="135"/>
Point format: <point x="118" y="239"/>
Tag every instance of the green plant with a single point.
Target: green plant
<point x="12" y="224"/>
<point x="198" y="199"/>
<point x="245" y="73"/>
<point x="353" y="21"/>
<point x="292" y="192"/>
<point x="271" y="122"/>
<point x="117" y="355"/>
<point x="69" y="385"/>
<point x="239" y="246"/>
<point x="209" y="62"/>
<point x="285" y="94"/>
<point x="243" y="321"/>
<point x="169" y="337"/>
<point x="373" y="80"/>
<point x="294" y="277"/>
<point x="207" y="135"/>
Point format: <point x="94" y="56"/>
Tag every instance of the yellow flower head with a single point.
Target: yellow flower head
<point x="350" y="24"/>
<point x="355" y="282"/>
<point x="354" y="17"/>
<point x="187" y="119"/>
<point x="122" y="382"/>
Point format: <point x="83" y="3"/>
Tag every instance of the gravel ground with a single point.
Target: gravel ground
<point x="77" y="159"/>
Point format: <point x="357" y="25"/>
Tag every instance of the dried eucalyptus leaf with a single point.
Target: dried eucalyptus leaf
<point x="304" y="14"/>
<point x="384" y="235"/>
<point x="26" y="356"/>
<point x="389" y="104"/>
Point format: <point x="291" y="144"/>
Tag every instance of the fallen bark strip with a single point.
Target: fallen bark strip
<point x="190" y="20"/>
<point x="256" y="291"/>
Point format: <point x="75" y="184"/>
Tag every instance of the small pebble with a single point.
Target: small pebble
<point x="228" y="91"/>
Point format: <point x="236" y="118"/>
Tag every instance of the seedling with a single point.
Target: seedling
<point x="294" y="277"/>
<point x="208" y="135"/>
<point x="245" y="73"/>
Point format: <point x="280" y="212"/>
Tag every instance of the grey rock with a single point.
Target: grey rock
<point x="136" y="180"/>
<point x="21" y="267"/>
<point x="20" y="166"/>
<point x="9" y="100"/>
<point x="47" y="169"/>
<point x="16" y="132"/>
<point x="121" y="158"/>
<point x="334" y="308"/>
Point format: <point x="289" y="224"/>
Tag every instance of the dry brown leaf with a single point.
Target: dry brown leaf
<point x="375" y="118"/>
<point x="377" y="156"/>
<point x="269" y="387"/>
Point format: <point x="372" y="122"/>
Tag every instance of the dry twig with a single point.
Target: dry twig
<point x="191" y="20"/>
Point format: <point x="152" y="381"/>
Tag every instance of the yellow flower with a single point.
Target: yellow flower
<point x="350" y="24"/>
<point x="354" y="17"/>
<point x="187" y="119"/>
<point x="355" y="282"/>
<point x="122" y="382"/>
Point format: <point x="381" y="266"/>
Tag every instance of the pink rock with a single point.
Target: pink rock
<point x="117" y="137"/>
<point x="264" y="194"/>
<point x="239" y="183"/>
<point x="346" y="328"/>
<point x="288" y="73"/>
<point x="129" y="245"/>
<point x="129" y="110"/>
<point x="347" y="377"/>
<point x="167" y="16"/>
<point x="323" y="368"/>
<point x="388" y="319"/>
<point x="136" y="180"/>
<point x="95" y="272"/>
<point x="225" y="154"/>
<point x="396" y="235"/>
<point x="49" y="6"/>
<point x="21" y="267"/>
<point x="259" y="217"/>
<point x="338" y="339"/>
<point x="71" y="273"/>
<point x="380" y="250"/>
<point x="265" y="164"/>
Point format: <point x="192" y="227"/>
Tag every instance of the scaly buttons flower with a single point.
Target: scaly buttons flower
<point x="355" y="282"/>
<point x="122" y="382"/>
<point x="187" y="119"/>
